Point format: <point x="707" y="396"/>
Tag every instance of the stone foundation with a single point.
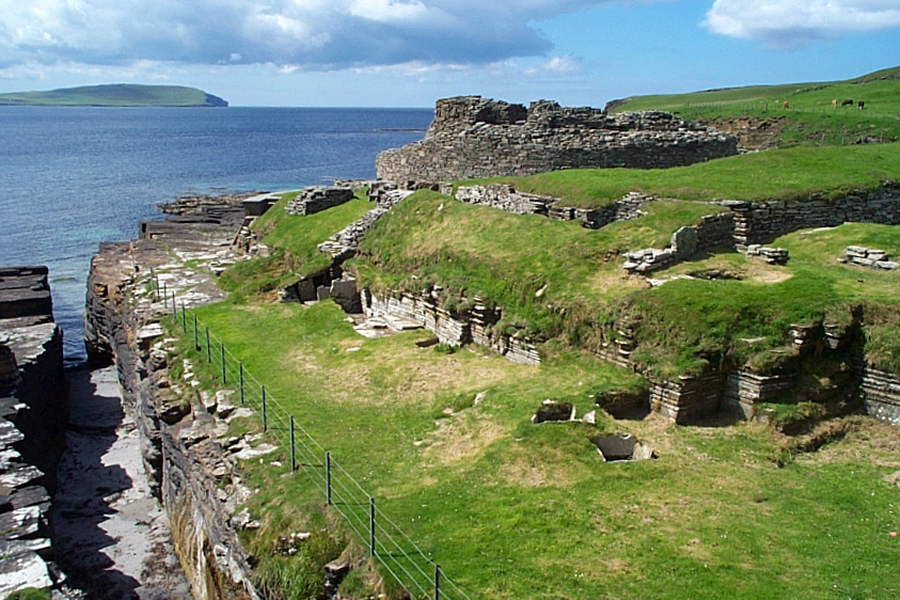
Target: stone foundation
<point x="316" y="199"/>
<point x="881" y="394"/>
<point x="472" y="325"/>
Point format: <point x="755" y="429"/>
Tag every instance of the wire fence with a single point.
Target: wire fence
<point x="403" y="561"/>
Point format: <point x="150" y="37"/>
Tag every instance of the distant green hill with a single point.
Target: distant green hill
<point x="809" y="118"/>
<point x="118" y="94"/>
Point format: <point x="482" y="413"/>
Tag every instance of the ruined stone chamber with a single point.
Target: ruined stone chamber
<point x="473" y="137"/>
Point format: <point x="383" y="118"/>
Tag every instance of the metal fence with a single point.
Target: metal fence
<point x="402" y="559"/>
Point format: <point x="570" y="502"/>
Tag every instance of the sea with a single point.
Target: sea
<point x="72" y="177"/>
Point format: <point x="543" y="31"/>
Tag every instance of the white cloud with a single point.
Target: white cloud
<point x="787" y="23"/>
<point x="307" y="34"/>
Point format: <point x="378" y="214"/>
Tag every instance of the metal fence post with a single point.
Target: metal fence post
<point x="328" y="478"/>
<point x="371" y="526"/>
<point x="241" y="379"/>
<point x="208" y="347"/>
<point x="437" y="582"/>
<point x="174" y="306"/>
<point x="165" y="293"/>
<point x="293" y="447"/>
<point x="183" y="318"/>
<point x="196" y="333"/>
<point x="222" y="354"/>
<point x="265" y="420"/>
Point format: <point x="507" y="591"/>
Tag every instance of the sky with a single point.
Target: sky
<point x="401" y="53"/>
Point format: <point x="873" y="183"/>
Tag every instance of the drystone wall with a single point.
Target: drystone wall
<point x="881" y="394"/>
<point x="713" y="231"/>
<point x="479" y="137"/>
<point x="318" y="198"/>
<point x="456" y="328"/>
<point x="506" y="198"/>
<point x="762" y="222"/>
<point x="33" y="415"/>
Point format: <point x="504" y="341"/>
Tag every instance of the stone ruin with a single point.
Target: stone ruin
<point x="473" y="137"/>
<point x="318" y="198"/>
<point x="868" y="257"/>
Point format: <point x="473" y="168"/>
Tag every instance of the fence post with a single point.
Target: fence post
<point x="222" y="354"/>
<point x="293" y="447"/>
<point x="241" y="378"/>
<point x="208" y="347"/>
<point x="371" y="526"/>
<point x="328" y="478"/>
<point x="437" y="581"/>
<point x="155" y="285"/>
<point x="265" y="420"/>
<point x="174" y="306"/>
<point x="183" y="318"/>
<point x="165" y="293"/>
<point x="196" y="333"/>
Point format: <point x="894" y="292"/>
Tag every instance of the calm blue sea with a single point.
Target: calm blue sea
<point x="73" y="177"/>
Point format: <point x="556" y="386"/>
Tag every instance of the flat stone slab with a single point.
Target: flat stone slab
<point x="20" y="477"/>
<point x="20" y="522"/>
<point x="615" y="446"/>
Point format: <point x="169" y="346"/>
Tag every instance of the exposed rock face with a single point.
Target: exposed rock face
<point x="478" y="137"/>
<point x="121" y="324"/>
<point x="32" y="420"/>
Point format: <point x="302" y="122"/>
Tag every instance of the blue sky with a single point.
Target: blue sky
<point x="411" y="52"/>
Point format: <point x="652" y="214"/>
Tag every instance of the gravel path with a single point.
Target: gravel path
<point x="111" y="537"/>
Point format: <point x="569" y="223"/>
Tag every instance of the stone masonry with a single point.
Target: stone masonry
<point x="318" y="198"/>
<point x="473" y="136"/>
<point x="868" y="257"/>
<point x="713" y="231"/>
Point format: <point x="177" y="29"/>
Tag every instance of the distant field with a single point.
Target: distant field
<point x="810" y="118"/>
<point x="115" y="95"/>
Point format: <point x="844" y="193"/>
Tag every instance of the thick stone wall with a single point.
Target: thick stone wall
<point x="478" y="137"/>
<point x="472" y="325"/>
<point x="318" y="198"/>
<point x="762" y="222"/>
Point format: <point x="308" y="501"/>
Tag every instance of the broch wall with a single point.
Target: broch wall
<point x="473" y="136"/>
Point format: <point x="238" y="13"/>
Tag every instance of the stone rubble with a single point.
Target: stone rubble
<point x="868" y="257"/>
<point x="773" y="256"/>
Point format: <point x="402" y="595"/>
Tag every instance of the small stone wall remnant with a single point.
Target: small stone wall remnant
<point x="881" y="394"/>
<point x="773" y="256"/>
<point x="318" y="198"/>
<point x="713" y="231"/>
<point x="479" y="137"/>
<point x="868" y="257"/>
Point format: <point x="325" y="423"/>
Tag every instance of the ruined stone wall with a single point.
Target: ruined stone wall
<point x="762" y="222"/>
<point x="881" y="394"/>
<point x="472" y="325"/>
<point x="478" y="137"/>
<point x="713" y="231"/>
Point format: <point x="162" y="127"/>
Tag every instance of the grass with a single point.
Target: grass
<point x="685" y="324"/>
<point x="476" y="251"/>
<point x="512" y="510"/>
<point x="810" y="120"/>
<point x="114" y="95"/>
<point x="293" y="242"/>
<point x="784" y="174"/>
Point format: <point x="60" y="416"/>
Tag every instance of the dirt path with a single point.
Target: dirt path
<point x="111" y="536"/>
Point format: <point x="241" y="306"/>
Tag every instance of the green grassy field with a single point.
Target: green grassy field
<point x="514" y="510"/>
<point x="115" y="95"/>
<point x="783" y="174"/>
<point x="810" y="119"/>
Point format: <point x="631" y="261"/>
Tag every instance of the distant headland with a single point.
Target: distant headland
<point x="117" y="94"/>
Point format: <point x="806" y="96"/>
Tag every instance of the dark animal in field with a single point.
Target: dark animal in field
<point x="861" y="105"/>
<point x="786" y="104"/>
<point x="847" y="103"/>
